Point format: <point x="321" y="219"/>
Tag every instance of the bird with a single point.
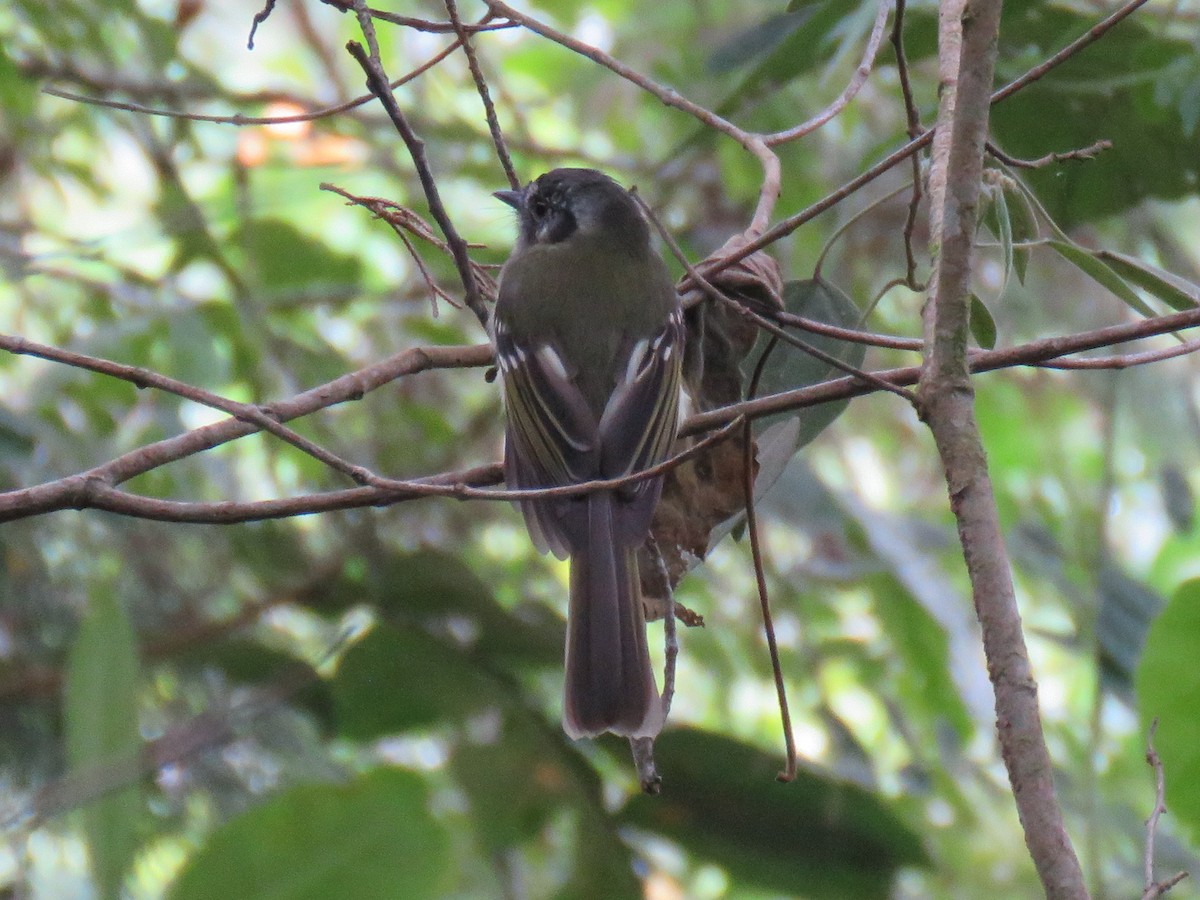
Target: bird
<point x="588" y="335"/>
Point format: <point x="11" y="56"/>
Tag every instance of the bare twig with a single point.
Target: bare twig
<point x="790" y="224"/>
<point x="94" y="488"/>
<point x="760" y="575"/>
<point x="489" y="109"/>
<point x="914" y="130"/>
<point x="1154" y="888"/>
<point x="849" y="92"/>
<point x="1083" y="153"/>
<point x="378" y="84"/>
<point x="1124" y="361"/>
<point x="258" y="416"/>
<point x="240" y="120"/>
<point x="770" y="187"/>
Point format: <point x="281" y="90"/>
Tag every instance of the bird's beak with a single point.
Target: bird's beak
<point x="512" y="198"/>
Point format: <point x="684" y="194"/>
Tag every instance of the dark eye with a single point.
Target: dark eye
<point x="538" y="207"/>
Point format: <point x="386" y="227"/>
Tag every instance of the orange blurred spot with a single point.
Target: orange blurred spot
<point x="252" y="149"/>
<point x="328" y="150"/>
<point x="660" y="886"/>
<point x="286" y="131"/>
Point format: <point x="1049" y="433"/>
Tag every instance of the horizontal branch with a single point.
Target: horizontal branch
<point x="96" y="488"/>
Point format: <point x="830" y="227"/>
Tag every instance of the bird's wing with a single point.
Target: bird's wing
<point x="548" y="415"/>
<point x="552" y="435"/>
<point x="639" y="423"/>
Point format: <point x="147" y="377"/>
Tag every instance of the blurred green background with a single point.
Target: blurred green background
<point x="365" y="704"/>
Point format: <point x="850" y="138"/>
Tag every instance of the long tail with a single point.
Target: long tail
<point x="609" y="679"/>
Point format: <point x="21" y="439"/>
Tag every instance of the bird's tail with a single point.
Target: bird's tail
<point x="609" y="679"/>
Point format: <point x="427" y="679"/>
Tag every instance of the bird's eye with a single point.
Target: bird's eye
<point x="539" y="207"/>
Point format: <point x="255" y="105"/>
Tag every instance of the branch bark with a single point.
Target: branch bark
<point x="967" y="48"/>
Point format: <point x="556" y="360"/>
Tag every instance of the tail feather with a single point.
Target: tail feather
<point x="610" y="682"/>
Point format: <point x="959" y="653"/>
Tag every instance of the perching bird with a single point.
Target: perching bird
<point x="589" y="341"/>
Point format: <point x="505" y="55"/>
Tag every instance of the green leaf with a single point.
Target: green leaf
<point x="1178" y="293"/>
<point x="805" y="44"/>
<point x="372" y="838"/>
<point x="522" y="780"/>
<point x="18" y="94"/>
<point x="1099" y="272"/>
<point x="983" y="326"/>
<point x="248" y="662"/>
<point x="1023" y="225"/>
<point x="442" y="593"/>
<point x="790" y="368"/>
<point x="1006" y="243"/>
<point x="1168" y="689"/>
<point x="816" y="836"/>
<point x="396" y="680"/>
<point x="1127" y="607"/>
<point x="282" y="259"/>
<point x="102" y="738"/>
<point x="1117" y="90"/>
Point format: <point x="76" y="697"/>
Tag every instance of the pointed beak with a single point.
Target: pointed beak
<point x="512" y="198"/>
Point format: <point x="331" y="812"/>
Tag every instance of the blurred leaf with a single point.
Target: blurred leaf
<point x="817" y="836"/>
<point x="1127" y="607"/>
<point x="1006" y="240"/>
<point x="283" y="260"/>
<point x="18" y="94"/>
<point x="790" y="368"/>
<point x="437" y="589"/>
<point x="372" y="838"/>
<point x="983" y="326"/>
<point x="247" y="662"/>
<point x="1088" y="263"/>
<point x="102" y="737"/>
<point x="396" y="680"/>
<point x="1168" y="689"/>
<point x="925" y="675"/>
<point x="1178" y="499"/>
<point x="520" y="779"/>
<point x="1178" y="293"/>
<point x="805" y="43"/>
<point x="761" y="38"/>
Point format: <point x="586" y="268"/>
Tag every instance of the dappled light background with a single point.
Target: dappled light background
<point x="390" y="676"/>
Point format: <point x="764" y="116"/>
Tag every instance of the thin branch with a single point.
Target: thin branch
<point x="849" y="92"/>
<point x="489" y="109"/>
<point x="94" y="488"/>
<point x="1154" y="888"/>
<point x="1083" y="153"/>
<point x="415" y="24"/>
<point x="760" y="576"/>
<point x="240" y="120"/>
<point x="914" y="130"/>
<point x="258" y="416"/>
<point x="378" y="84"/>
<point x="772" y="174"/>
<point x="1125" y="361"/>
<point x="852" y="335"/>
<point x="790" y="224"/>
<point x="64" y="493"/>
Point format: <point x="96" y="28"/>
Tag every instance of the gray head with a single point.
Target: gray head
<point x="571" y="203"/>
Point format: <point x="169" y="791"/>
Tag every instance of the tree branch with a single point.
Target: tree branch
<point x="947" y="406"/>
<point x="95" y="488"/>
